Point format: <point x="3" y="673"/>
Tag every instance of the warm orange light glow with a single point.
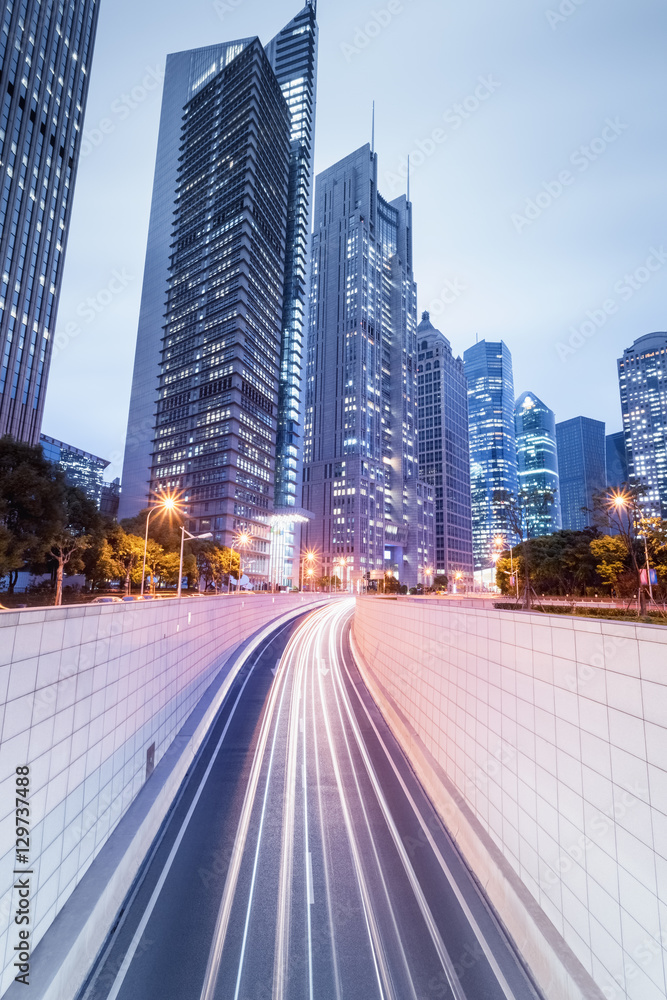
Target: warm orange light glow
<point x="499" y="540"/>
<point x="458" y="576"/>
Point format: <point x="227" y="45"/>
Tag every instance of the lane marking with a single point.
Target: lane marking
<point x="134" y="944"/>
<point x="470" y="917"/>
<point x="311" y="891"/>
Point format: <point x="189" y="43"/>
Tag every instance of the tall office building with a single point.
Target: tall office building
<point x="537" y="465"/>
<point x="247" y="313"/>
<point x="642" y="376"/>
<point x="361" y="474"/>
<point x="444" y="450"/>
<point x="582" y="469"/>
<point x="617" y="460"/>
<point x="493" y="467"/>
<point x="80" y="467"/>
<point x="45" y="54"/>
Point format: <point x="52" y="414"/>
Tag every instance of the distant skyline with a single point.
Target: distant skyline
<point x="537" y="181"/>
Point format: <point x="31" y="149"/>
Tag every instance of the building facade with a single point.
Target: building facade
<point x="537" y="465"/>
<point x="46" y="51"/>
<point x="81" y="468"/>
<point x="642" y="377"/>
<point x="493" y="462"/>
<point x="582" y="469"/>
<point x="372" y="513"/>
<point x="444" y="451"/>
<point x="292" y="58"/>
<point x="617" y="460"/>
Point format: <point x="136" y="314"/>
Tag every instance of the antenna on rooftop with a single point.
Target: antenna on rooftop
<point x="373" y="130"/>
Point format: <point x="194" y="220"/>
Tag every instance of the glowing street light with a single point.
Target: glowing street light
<point x="168" y="502"/>
<point x="242" y="541"/>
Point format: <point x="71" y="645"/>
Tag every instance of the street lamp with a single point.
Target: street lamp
<point x="309" y="557"/>
<point x="342" y="564"/>
<point x="499" y="542"/>
<point x="625" y="502"/>
<point x="242" y="541"/>
<point x="201" y="538"/>
<point x="166" y="503"/>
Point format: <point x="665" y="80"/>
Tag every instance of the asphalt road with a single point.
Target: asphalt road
<point x="303" y="860"/>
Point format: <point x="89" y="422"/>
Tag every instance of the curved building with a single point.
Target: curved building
<point x="537" y="462"/>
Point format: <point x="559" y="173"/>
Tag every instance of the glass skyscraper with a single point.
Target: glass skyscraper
<point x="444" y="450"/>
<point x="45" y="54"/>
<point x="241" y="279"/>
<point x="80" y="467"/>
<point x="642" y="376"/>
<point x="361" y="472"/>
<point x="493" y="463"/>
<point x="617" y="460"/>
<point x="537" y="465"/>
<point x="582" y="470"/>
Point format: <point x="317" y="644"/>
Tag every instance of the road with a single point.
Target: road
<point x="303" y="861"/>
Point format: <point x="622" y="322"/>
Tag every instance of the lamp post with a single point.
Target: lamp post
<point x="309" y="557"/>
<point x="201" y="538"/>
<point x="243" y="541"/>
<point x="627" y="503"/>
<point x="499" y="542"/>
<point x="166" y="503"/>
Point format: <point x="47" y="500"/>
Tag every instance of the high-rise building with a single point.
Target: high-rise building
<point x="582" y="469"/>
<point x="617" y="460"/>
<point x="361" y="473"/>
<point x="45" y="54"/>
<point x="444" y="450"/>
<point x="81" y="468"/>
<point x="493" y="468"/>
<point x="537" y="465"/>
<point x="642" y="376"/>
<point x="231" y="315"/>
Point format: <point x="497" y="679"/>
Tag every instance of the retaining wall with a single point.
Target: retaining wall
<point x="85" y="693"/>
<point x="543" y="741"/>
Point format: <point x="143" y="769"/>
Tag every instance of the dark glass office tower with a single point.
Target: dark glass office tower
<point x="45" y="54"/>
<point x="217" y="399"/>
<point x="617" y="460"/>
<point x="581" y="469"/>
<point x="642" y="377"/>
<point x="361" y="470"/>
<point x="537" y="465"/>
<point x="444" y="451"/>
<point x="493" y="468"/>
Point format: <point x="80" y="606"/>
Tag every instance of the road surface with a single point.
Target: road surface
<point x="303" y="860"/>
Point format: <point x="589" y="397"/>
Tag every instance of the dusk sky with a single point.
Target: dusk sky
<point x="537" y="132"/>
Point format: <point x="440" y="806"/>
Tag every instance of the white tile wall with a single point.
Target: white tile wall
<point x="554" y="731"/>
<point x="84" y="692"/>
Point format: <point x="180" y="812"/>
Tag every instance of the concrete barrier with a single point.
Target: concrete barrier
<point x="92" y="699"/>
<point x="543" y="742"/>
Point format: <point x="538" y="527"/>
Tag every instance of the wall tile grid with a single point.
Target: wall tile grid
<point x="84" y="692"/>
<point x="555" y="732"/>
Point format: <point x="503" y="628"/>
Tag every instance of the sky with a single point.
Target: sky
<point x="536" y="134"/>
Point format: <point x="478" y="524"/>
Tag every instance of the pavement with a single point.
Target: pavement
<point x="302" y="860"/>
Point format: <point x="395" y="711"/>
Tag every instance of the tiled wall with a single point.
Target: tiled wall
<point x="84" y="692"/>
<point x="553" y="730"/>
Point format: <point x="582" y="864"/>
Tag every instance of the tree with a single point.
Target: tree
<point x="440" y="582"/>
<point x="31" y="497"/>
<point x="612" y="558"/>
<point x="79" y="519"/>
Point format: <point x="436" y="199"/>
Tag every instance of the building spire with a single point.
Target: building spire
<point x="408" y="177"/>
<point x="373" y="130"/>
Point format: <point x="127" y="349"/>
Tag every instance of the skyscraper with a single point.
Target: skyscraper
<point x="581" y="469"/>
<point x="642" y="377"/>
<point x="80" y="467"/>
<point x="263" y="197"/>
<point x="537" y="463"/>
<point x="45" y="54"/>
<point x="617" y="460"/>
<point x="361" y="476"/>
<point x="444" y="450"/>
<point x="493" y="467"/>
